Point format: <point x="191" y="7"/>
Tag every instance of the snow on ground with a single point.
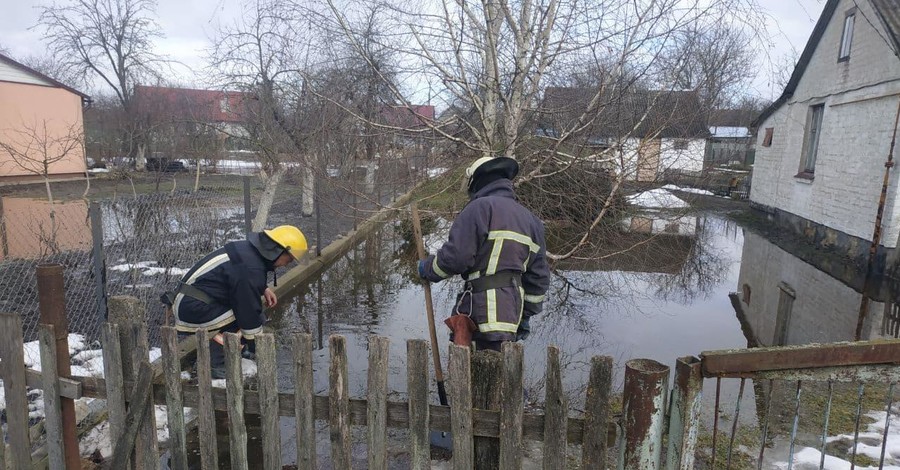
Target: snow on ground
<point x="656" y="199"/>
<point x="434" y="240"/>
<point x="685" y="189"/>
<point x="148" y="268"/>
<point x="248" y="369"/>
<point x="869" y="445"/>
<point x="435" y="172"/>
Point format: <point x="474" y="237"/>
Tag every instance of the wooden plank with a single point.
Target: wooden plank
<point x="147" y="447"/>
<point x="734" y="362"/>
<point x="234" y="389"/>
<point x="304" y="407"/>
<point x="417" y="387"/>
<point x="52" y="406"/>
<point x="461" y="416"/>
<point x="512" y="406"/>
<point x="339" y="403"/>
<point x="115" y="381"/>
<point x="376" y="419"/>
<point x="556" y="410"/>
<point x="206" y="416"/>
<point x="596" y="413"/>
<point x="68" y="388"/>
<point x="487" y="373"/>
<point x="141" y="403"/>
<point x="12" y="368"/>
<point x="268" y="401"/>
<point x="174" y="398"/>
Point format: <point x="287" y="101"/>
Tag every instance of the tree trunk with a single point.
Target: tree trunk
<point x="309" y="190"/>
<point x="268" y="197"/>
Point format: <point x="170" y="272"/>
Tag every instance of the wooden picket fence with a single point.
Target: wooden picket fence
<point x="132" y="386"/>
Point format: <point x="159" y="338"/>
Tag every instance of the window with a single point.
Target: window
<point x="680" y="144"/>
<point x="223" y="105"/>
<point x="847" y="36"/>
<point x="811" y="140"/>
<point x="745" y="291"/>
<point x="767" y="138"/>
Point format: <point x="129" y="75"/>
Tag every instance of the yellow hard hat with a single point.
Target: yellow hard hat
<point x="290" y="238"/>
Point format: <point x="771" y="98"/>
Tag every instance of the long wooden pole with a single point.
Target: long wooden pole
<point x="429" y="309"/>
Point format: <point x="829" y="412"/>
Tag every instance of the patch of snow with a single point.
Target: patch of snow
<point x="248" y="369"/>
<point x="435" y="172"/>
<point x="148" y="268"/>
<point x="810" y="457"/>
<point x="656" y="199"/>
<point x="685" y="189"/>
<point x="95" y="171"/>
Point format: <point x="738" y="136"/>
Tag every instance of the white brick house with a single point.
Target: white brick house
<point x="822" y="146"/>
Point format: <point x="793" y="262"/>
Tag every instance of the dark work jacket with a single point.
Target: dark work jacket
<point x="235" y="277"/>
<point x="495" y="233"/>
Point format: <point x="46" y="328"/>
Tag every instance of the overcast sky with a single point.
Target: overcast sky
<point x="187" y="25"/>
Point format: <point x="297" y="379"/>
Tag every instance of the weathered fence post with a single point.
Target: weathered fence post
<point x="512" y="406"/>
<point x="267" y="376"/>
<point x="12" y="371"/>
<point x="174" y="398"/>
<point x="339" y="403"/>
<point x="303" y="402"/>
<point x="684" y="417"/>
<point x="644" y="405"/>
<point x="376" y="416"/>
<point x="113" y="369"/>
<point x="460" y="368"/>
<point x="52" y="410"/>
<point x="99" y="258"/>
<point x="234" y="388"/>
<point x="556" y="414"/>
<point x="128" y="312"/>
<point x="206" y="420"/>
<point x="417" y="390"/>
<point x="596" y="413"/>
<point x="52" y="304"/>
<point x="487" y="367"/>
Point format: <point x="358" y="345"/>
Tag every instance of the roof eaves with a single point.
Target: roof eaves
<point x="84" y="97"/>
<point x="888" y="11"/>
<point x="800" y="68"/>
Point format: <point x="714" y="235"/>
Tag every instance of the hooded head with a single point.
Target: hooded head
<point x="486" y="170"/>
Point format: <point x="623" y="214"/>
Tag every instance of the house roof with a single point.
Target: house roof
<point x="414" y="116"/>
<point x="191" y="104"/>
<point x="9" y="60"/>
<point x="888" y="12"/>
<point x="639" y="113"/>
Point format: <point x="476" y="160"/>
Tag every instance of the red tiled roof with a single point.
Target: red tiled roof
<point x="191" y="104"/>
<point x="407" y="117"/>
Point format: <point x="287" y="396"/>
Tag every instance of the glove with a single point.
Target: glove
<point x="420" y="267"/>
<point x="524" y="329"/>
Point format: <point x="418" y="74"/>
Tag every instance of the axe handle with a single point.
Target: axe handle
<point x="429" y="308"/>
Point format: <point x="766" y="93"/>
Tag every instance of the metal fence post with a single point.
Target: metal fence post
<point x="51" y="292"/>
<point x="684" y="418"/>
<point x="644" y="404"/>
<point x="99" y="261"/>
<point x="247" y="208"/>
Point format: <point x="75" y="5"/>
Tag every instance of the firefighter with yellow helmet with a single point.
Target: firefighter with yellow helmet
<point x="225" y="291"/>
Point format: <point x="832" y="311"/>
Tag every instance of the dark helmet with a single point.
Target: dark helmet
<point x="503" y="167"/>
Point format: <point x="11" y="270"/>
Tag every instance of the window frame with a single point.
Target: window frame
<point x="849" y="15"/>
<point x="811" y="138"/>
<point x="767" y="137"/>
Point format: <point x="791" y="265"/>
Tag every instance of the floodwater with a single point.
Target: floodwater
<point x="667" y="298"/>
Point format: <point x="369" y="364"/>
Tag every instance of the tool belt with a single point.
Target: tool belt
<point x="187" y="290"/>
<point x="495" y="281"/>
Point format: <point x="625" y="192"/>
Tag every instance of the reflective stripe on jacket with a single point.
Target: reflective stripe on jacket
<point x="235" y="278"/>
<point x="495" y="233"/>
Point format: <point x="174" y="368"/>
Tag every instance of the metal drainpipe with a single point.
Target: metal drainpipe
<point x="876" y="235"/>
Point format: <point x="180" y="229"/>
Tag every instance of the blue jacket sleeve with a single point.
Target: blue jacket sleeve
<point x="536" y="278"/>
<point x="457" y="255"/>
<point x="246" y="300"/>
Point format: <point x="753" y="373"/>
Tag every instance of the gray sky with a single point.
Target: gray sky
<point x="187" y="24"/>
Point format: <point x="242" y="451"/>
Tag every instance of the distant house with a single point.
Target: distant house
<point x="821" y="146"/>
<point x="40" y="121"/>
<point x="411" y="125"/>
<point x="653" y="131"/>
<point x="730" y="141"/>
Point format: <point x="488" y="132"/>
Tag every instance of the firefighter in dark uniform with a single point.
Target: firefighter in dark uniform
<point x="224" y="292"/>
<point x="499" y="249"/>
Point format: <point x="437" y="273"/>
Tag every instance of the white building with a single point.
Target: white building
<point x="821" y="147"/>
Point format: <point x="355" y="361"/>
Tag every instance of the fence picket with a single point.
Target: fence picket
<point x="339" y="403"/>
<point x="174" y="397"/>
<point x="303" y="402"/>
<point x="52" y="409"/>
<point x="115" y="382"/>
<point x="268" y="401"/>
<point x="146" y="447"/>
<point x="555" y="414"/>
<point x="234" y="387"/>
<point x="376" y="418"/>
<point x="137" y="415"/>
<point x="12" y="366"/>
<point x="209" y="458"/>
<point x="596" y="413"/>
<point x="417" y="386"/>
<point x="461" y="416"/>
<point x="511" y="407"/>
